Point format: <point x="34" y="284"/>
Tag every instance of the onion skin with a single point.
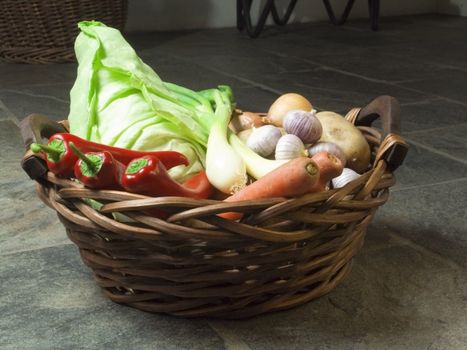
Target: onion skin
<point x="285" y="103"/>
<point x="246" y="120"/>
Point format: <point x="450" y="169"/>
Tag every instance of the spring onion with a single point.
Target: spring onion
<point x="256" y="166"/>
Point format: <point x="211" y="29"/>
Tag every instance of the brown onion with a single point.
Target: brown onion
<point x="285" y="103"/>
<point x="246" y="120"/>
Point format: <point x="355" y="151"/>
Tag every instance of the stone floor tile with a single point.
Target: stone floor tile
<point x="433" y="216"/>
<point x="40" y="100"/>
<point x="61" y="307"/>
<point x="443" y="85"/>
<point x="450" y="140"/>
<point x="395" y="297"/>
<point x="430" y="114"/>
<point x="16" y="76"/>
<point x="422" y="166"/>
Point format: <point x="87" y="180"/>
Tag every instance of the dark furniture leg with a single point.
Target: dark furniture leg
<point x="373" y="8"/>
<point x="282" y="21"/>
<point x="345" y="14"/>
<point x="244" y="17"/>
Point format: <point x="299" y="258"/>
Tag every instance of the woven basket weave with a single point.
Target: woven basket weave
<point x="283" y="253"/>
<point x="41" y="31"/>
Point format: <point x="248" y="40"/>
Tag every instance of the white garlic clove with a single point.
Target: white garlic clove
<point x="245" y="134"/>
<point x="263" y="140"/>
<point x="328" y="147"/>
<point x="343" y="179"/>
<point x="303" y="124"/>
<point x="289" y="146"/>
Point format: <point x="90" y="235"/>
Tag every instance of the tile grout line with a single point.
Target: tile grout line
<point x="434" y="150"/>
<point x="36" y="249"/>
<point x="405" y="241"/>
<point x="373" y="80"/>
<point x="243" y="80"/>
<point x="420" y="102"/>
<point x="10" y="115"/>
<point x="440" y="128"/>
<point x="19" y="92"/>
<point x="319" y="65"/>
<point x="445" y="182"/>
<point x="231" y="340"/>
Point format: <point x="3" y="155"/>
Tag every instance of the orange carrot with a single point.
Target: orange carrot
<point x="291" y="179"/>
<point x="329" y="167"/>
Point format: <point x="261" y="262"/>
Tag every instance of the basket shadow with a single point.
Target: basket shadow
<point x="394" y="294"/>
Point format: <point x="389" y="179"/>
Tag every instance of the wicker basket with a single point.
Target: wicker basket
<point x="283" y="253"/>
<point x="39" y="31"/>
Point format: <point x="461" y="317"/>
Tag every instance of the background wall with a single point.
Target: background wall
<point x="453" y="7"/>
<point x="159" y="15"/>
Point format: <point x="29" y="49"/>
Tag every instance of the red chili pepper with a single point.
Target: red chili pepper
<point x="98" y="170"/>
<point x="148" y="175"/>
<point x="60" y="158"/>
<point x="123" y="155"/>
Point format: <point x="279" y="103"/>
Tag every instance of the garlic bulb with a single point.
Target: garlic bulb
<point x="245" y="134"/>
<point x="263" y="140"/>
<point x="289" y="146"/>
<point x="303" y="124"/>
<point x="343" y="179"/>
<point x="328" y="147"/>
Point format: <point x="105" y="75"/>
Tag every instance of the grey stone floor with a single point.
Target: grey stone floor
<point x="408" y="287"/>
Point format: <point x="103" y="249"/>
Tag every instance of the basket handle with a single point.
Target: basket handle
<point x="393" y="148"/>
<point x="35" y="128"/>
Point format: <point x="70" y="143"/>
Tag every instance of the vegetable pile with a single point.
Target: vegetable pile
<point x="131" y="131"/>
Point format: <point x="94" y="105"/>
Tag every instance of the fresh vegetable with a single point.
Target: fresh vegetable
<point x="263" y="140"/>
<point x="147" y="175"/>
<point x="289" y="146"/>
<point x="256" y="165"/>
<point x="245" y="134"/>
<point x="343" y="179"/>
<point x="224" y="167"/>
<point x="328" y="147"/>
<point x="294" y="178"/>
<point x="120" y="101"/>
<point x="285" y="103"/>
<point x="98" y="170"/>
<point x="329" y="167"/>
<point x="245" y="120"/>
<point x="338" y="130"/>
<point x="60" y="158"/>
<point x="303" y="124"/>
<point x="62" y="140"/>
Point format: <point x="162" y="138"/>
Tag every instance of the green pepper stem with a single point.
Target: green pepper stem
<point x="37" y="147"/>
<point x="136" y="165"/>
<point x="83" y="157"/>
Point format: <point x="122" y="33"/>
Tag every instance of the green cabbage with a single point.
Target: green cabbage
<point x="119" y="100"/>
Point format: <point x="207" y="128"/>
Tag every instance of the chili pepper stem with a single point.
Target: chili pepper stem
<point x="83" y="157"/>
<point x="136" y="165"/>
<point x="37" y="147"/>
